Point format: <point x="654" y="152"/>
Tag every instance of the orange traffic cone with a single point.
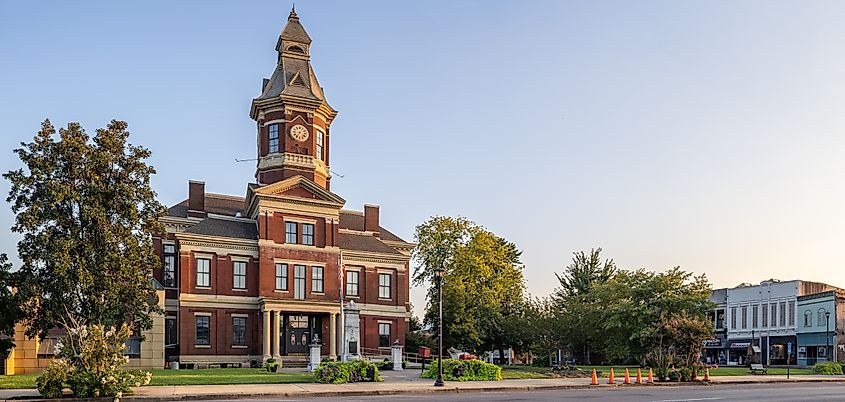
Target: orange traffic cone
<point x="706" y="374"/>
<point x="627" y="376"/>
<point x="610" y="378"/>
<point x="595" y="378"/>
<point x="650" y="376"/>
<point x="639" y="376"/>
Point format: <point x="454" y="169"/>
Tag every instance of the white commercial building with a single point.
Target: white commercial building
<point x="761" y="319"/>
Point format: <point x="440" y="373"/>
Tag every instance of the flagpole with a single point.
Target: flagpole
<point x="340" y="276"/>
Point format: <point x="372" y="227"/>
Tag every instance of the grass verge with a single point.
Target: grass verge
<point x="188" y="377"/>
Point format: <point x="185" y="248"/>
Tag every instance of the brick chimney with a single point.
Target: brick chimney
<point x="196" y="199"/>
<point x="371" y="219"/>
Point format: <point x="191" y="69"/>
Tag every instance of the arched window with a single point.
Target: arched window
<point x="822" y="319"/>
<point x="808" y="318"/>
<point x="296" y="49"/>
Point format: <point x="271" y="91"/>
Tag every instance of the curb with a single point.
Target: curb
<point x="432" y="390"/>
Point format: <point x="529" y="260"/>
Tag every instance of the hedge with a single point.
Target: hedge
<point x="466" y="370"/>
<point x="344" y="372"/>
<point x="828" y="368"/>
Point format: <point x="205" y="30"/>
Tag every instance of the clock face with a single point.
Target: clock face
<point x="299" y="133"/>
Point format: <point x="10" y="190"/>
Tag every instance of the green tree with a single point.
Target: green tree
<point x="583" y="272"/>
<point x="483" y="280"/>
<point x="9" y="305"/>
<point x="87" y="215"/>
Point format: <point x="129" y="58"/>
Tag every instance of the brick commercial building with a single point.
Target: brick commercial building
<point x="252" y="277"/>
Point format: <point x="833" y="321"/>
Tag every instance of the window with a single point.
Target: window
<point x="765" y="315"/>
<point x="782" y="316"/>
<point x="808" y="318"/>
<point x="791" y="313"/>
<point x="299" y="282"/>
<point x="273" y="135"/>
<point x="744" y="317"/>
<point x="203" y="332"/>
<point x="733" y="317"/>
<point x="352" y="283"/>
<point x="308" y="234"/>
<point x="822" y="319"/>
<point x="383" y="334"/>
<point x="754" y="314"/>
<point x="171" y="334"/>
<point x="320" y="145"/>
<point x="290" y="232"/>
<point x="239" y="270"/>
<point x="317" y="279"/>
<point x="774" y="320"/>
<point x="203" y="272"/>
<point x="169" y="266"/>
<point x="281" y="276"/>
<point x="384" y="286"/>
<point x="239" y="331"/>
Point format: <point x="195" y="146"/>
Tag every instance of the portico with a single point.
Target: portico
<point x="290" y="326"/>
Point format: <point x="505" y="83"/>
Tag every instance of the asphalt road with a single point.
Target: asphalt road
<point x="747" y="392"/>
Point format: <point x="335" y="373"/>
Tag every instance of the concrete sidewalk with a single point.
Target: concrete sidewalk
<point x="403" y="385"/>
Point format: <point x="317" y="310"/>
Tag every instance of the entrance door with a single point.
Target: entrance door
<point x="297" y="335"/>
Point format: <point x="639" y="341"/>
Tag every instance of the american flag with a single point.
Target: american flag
<point x="340" y="270"/>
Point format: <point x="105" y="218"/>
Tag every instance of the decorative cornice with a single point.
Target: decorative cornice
<point x="228" y="243"/>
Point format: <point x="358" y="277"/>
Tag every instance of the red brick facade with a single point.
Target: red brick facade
<point x="282" y="293"/>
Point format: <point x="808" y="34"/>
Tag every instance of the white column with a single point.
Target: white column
<point x="332" y="336"/>
<point x="266" y="339"/>
<point x="276" y="326"/>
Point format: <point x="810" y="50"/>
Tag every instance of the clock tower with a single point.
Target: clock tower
<point x="292" y="116"/>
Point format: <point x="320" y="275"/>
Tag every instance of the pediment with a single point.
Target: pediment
<point x="300" y="187"/>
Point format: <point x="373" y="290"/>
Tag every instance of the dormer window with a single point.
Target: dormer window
<point x="295" y="49"/>
<point x="273" y="135"/>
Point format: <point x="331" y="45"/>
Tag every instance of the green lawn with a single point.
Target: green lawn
<point x="189" y="377"/>
<point x="525" y="372"/>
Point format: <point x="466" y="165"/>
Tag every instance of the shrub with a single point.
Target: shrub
<point x="387" y="364"/>
<point x="271" y="365"/>
<point x="466" y="370"/>
<point x="344" y="372"/>
<point x="827" y="368"/>
<point x="89" y="361"/>
<point x="686" y="374"/>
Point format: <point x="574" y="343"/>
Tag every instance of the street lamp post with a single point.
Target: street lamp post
<point x="827" y="335"/>
<point x="438" y="274"/>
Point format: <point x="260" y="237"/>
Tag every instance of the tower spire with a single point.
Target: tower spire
<point x="293" y="15"/>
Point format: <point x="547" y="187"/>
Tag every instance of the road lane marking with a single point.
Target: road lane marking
<point x="690" y="400"/>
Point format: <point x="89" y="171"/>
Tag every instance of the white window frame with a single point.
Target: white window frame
<point x="389" y="332"/>
<point x="381" y="286"/>
<point x="282" y="276"/>
<point x="356" y="283"/>
<point x="239" y="278"/>
<point x="205" y="274"/>
<point x="317" y="279"/>
<point x="320" y="149"/>
<point x="308" y="236"/>
<point x="299" y="282"/>
<point x="295" y="232"/>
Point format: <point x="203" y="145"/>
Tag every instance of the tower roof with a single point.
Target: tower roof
<point x="294" y="31"/>
<point x="293" y="78"/>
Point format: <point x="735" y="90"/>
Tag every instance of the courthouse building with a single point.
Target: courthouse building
<point x="257" y="276"/>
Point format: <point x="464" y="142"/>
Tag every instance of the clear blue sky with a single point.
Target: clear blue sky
<point x="702" y="134"/>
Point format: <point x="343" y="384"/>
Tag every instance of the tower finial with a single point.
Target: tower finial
<point x="293" y="15"/>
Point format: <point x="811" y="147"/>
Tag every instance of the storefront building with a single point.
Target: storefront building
<point x="765" y="316"/>
<point x="819" y="327"/>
